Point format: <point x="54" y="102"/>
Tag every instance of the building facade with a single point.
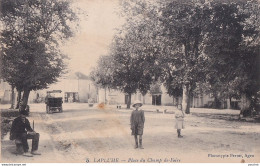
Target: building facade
<point x="75" y="87"/>
<point x="153" y="97"/>
<point x="78" y="87"/>
<point x="159" y="96"/>
<point x="6" y="92"/>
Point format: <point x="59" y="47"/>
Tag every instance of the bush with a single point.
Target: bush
<point x="6" y="118"/>
<point x="12" y="113"/>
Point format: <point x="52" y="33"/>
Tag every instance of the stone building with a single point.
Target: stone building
<point x="75" y="87"/>
<point x="156" y="96"/>
<point x="6" y="92"/>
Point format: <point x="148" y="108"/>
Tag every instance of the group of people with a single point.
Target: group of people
<point x="21" y="129"/>
<point x="137" y="120"/>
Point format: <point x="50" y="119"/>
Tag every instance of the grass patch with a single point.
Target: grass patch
<point x="228" y="117"/>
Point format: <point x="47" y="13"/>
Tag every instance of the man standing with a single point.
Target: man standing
<point x="21" y="131"/>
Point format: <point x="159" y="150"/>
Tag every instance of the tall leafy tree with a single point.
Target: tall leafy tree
<point x="233" y="52"/>
<point x="222" y="47"/>
<point x="128" y="72"/>
<point x="184" y="25"/>
<point x="102" y="74"/>
<point x="30" y="38"/>
<point x="133" y="52"/>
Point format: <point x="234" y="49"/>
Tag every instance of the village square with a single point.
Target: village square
<point x="130" y="81"/>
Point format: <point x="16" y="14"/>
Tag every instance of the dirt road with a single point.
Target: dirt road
<point x="88" y="134"/>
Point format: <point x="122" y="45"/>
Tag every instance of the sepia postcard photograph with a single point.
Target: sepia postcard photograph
<point x="130" y="81"/>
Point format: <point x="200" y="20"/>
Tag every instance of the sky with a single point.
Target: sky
<point x="94" y="35"/>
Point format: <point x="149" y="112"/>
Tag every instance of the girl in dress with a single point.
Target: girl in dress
<point x="179" y="116"/>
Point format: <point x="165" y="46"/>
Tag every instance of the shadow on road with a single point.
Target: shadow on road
<point x="228" y="117"/>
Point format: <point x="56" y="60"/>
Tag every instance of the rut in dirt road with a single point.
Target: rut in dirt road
<point x="63" y="142"/>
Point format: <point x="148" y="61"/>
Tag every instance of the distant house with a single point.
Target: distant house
<point x="207" y="101"/>
<point x="76" y="87"/>
<point x="156" y="96"/>
<point x="5" y="92"/>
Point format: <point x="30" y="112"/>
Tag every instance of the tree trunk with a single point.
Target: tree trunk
<point x="245" y="105"/>
<point x="186" y="99"/>
<point x="18" y="99"/>
<point x="129" y="101"/>
<point x="229" y="103"/>
<point x="12" y="98"/>
<point x="105" y="95"/>
<point x="26" y="94"/>
<point x="215" y="102"/>
<point x="143" y="99"/>
<point x="191" y="100"/>
<point x="97" y="97"/>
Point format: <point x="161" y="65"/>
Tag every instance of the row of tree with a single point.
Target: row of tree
<point x="192" y="46"/>
<point x="31" y="33"/>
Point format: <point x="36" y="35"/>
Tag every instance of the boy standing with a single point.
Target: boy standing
<point x="137" y="123"/>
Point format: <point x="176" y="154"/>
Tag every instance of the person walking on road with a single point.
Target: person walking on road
<point x="137" y="123"/>
<point x="179" y="116"/>
<point x="21" y="131"/>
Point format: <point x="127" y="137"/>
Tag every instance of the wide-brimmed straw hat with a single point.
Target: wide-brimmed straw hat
<point x="137" y="102"/>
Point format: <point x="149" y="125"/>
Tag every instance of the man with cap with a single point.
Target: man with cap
<point x="137" y="123"/>
<point x="21" y="131"/>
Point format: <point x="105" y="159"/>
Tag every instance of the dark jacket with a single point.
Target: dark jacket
<point x="19" y="127"/>
<point x="137" y="118"/>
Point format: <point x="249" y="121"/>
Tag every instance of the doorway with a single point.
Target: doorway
<point x="71" y="97"/>
<point x="156" y="99"/>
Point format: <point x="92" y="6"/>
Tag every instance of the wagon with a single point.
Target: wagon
<point x="53" y="101"/>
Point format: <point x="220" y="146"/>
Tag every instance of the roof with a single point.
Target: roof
<point x="78" y="75"/>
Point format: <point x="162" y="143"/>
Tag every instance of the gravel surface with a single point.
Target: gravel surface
<point x="93" y="134"/>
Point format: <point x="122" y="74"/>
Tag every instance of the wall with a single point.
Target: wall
<point x="84" y="88"/>
<point x="116" y="97"/>
<point x="6" y="92"/>
<point x="166" y="98"/>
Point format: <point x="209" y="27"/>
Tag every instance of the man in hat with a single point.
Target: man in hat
<point x="21" y="131"/>
<point x="137" y="123"/>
